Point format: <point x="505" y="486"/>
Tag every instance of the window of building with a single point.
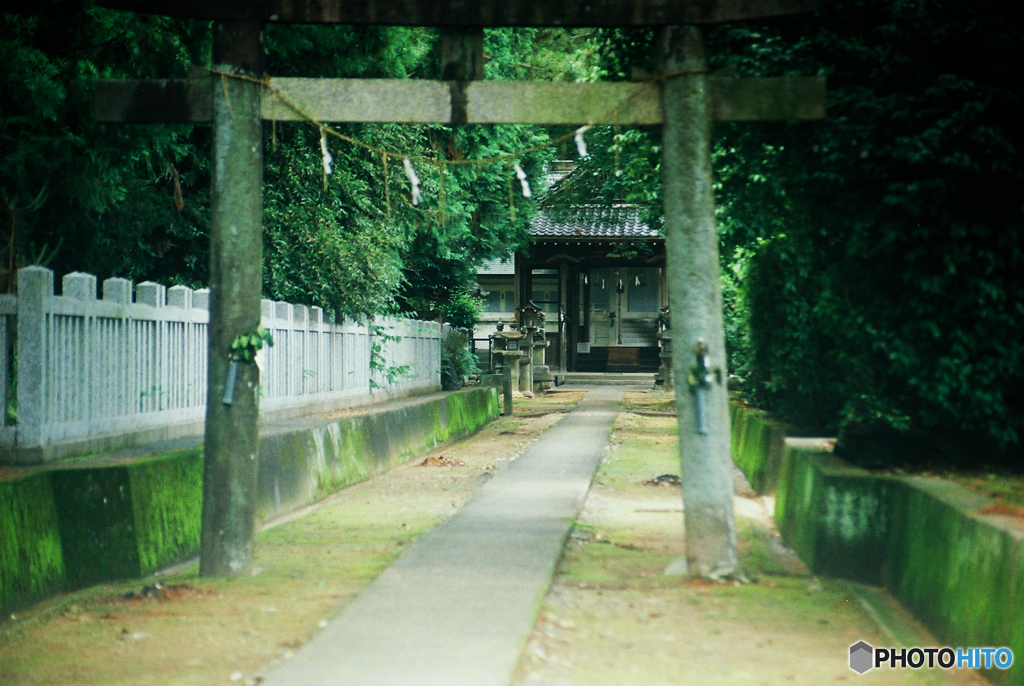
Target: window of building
<point x="500" y="296"/>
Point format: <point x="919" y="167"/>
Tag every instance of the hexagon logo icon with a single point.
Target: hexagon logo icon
<point x="861" y="657"/>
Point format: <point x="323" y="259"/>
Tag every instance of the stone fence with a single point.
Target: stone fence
<point x="94" y="375"/>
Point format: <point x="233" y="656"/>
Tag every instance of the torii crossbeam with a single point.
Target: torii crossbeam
<point x="684" y="105"/>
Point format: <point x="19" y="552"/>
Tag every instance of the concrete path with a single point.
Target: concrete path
<point x="456" y="608"/>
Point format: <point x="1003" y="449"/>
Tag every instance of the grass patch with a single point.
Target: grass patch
<point x="545" y="403"/>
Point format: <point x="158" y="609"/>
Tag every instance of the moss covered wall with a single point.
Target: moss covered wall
<point x="757" y="445"/>
<point x="31" y="560"/>
<point x="961" y="573"/>
<point x="81" y="525"/>
<point x="167" y="502"/>
<point x="96" y="524"/>
<point x="837" y="518"/>
<point x="298" y="468"/>
<point x="128" y="520"/>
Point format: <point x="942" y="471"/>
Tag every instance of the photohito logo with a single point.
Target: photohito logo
<point x="864" y="657"/>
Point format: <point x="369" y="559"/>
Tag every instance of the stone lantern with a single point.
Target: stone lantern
<point x="542" y="378"/>
<point x="506" y="346"/>
<point x="530" y="316"/>
<point x="665" y="376"/>
<point x="529" y="322"/>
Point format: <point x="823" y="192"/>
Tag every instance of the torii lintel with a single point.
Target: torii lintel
<point x="483" y="102"/>
<point x="479" y="13"/>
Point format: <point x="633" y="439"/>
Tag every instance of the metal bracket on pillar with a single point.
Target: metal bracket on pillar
<point x="700" y="379"/>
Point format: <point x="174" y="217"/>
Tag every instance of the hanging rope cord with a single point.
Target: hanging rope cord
<point x="608" y="119"/>
<point x="509" y="158"/>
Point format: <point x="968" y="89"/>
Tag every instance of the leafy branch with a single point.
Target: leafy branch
<point x="246" y="345"/>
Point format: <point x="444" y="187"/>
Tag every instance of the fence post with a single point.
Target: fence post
<point x="266" y="311"/>
<point x="201" y="299"/>
<point x="149" y="293"/>
<point x="81" y="390"/>
<point x="122" y="370"/>
<point x="268" y="384"/>
<point x="35" y="284"/>
<point x="118" y="291"/>
<point x="180" y="296"/>
<point x="79" y="286"/>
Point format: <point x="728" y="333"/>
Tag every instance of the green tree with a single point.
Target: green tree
<point x="885" y="240"/>
<point x="117" y="200"/>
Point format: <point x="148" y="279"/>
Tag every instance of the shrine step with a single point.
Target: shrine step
<point x="619" y="359"/>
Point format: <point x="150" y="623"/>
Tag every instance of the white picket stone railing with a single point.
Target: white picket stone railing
<point x="91" y="367"/>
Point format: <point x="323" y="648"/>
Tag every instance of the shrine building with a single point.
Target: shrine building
<point x="598" y="274"/>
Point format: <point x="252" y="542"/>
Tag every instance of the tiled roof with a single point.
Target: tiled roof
<point x="593" y="221"/>
<point x="582" y="222"/>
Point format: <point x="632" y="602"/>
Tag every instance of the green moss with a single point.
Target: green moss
<point x="961" y="575"/>
<point x="128" y="520"/>
<point x="957" y="573"/>
<point x="855" y="525"/>
<point x="737" y="420"/>
<point x="348" y="465"/>
<point x="795" y="504"/>
<point x="31" y="560"/>
<point x="80" y="526"/>
<point x="839" y="520"/>
<point x="167" y="497"/>
<point x="463" y="414"/>
<point x="306" y="466"/>
<point x="757" y="443"/>
<point x="97" y="531"/>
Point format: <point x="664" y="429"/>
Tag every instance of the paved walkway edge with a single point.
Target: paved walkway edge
<point x="457" y="607"/>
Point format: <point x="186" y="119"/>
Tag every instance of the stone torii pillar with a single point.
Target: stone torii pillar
<point x="231" y="434"/>
<point x="688" y="103"/>
<point x="695" y="300"/>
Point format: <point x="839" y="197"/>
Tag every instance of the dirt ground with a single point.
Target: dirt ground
<point x="191" y="631"/>
<point x="613" y="617"/>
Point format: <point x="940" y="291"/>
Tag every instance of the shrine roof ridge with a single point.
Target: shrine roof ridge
<point x="580" y="222"/>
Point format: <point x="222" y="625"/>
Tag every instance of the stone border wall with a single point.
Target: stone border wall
<point x="70" y="527"/>
<point x="757" y="445"/>
<point x="958" y="571"/>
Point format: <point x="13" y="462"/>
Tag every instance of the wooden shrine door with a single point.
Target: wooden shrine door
<point x="624" y="304"/>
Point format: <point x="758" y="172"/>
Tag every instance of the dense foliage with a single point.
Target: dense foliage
<point x="881" y="249"/>
<point x="871" y="260"/>
<point x="133" y="201"/>
<point x="130" y="200"/>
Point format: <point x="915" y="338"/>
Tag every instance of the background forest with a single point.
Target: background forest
<point x="871" y="261"/>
